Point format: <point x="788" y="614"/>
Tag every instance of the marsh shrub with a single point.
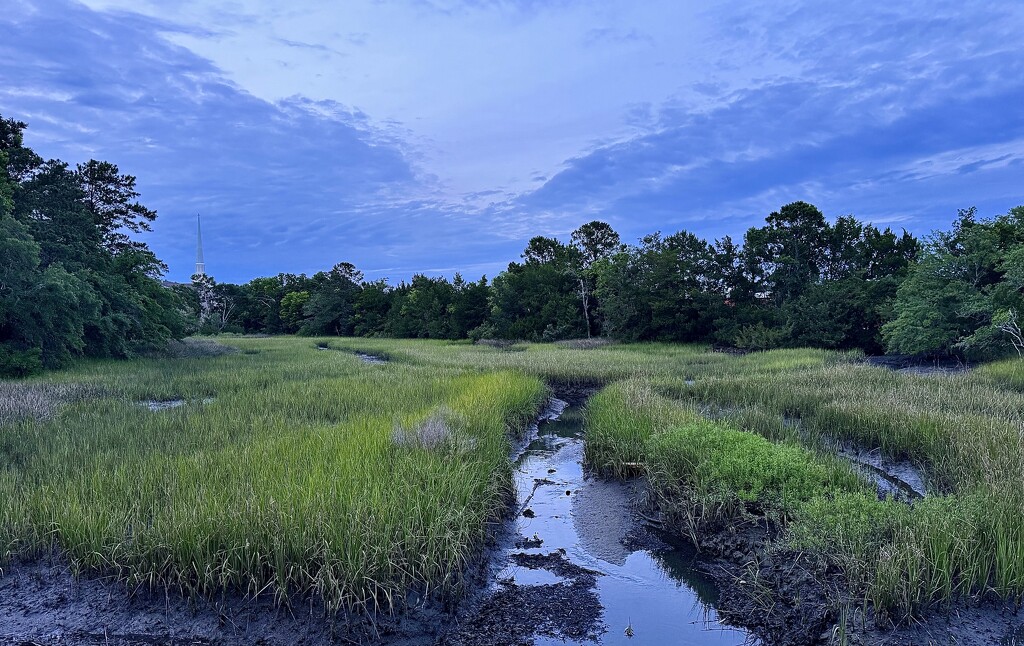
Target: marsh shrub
<point x="432" y="433"/>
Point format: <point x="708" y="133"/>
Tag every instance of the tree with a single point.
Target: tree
<point x="111" y="198"/>
<point x="66" y="289"/>
<point x="331" y="305"/>
<point x="370" y="315"/>
<point x="538" y="299"/>
<point x="592" y="243"/>
<point x="292" y="305"/>
<point x="961" y="292"/>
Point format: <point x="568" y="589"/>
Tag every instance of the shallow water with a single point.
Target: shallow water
<point x="656" y="591"/>
<point x="371" y="358"/>
<point x="897" y="478"/>
<point x="156" y="405"/>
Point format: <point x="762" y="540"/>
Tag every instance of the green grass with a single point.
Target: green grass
<point x="966" y="432"/>
<point x="1009" y="372"/>
<point x="727" y="469"/>
<point x="289" y="481"/>
<point x="311" y="472"/>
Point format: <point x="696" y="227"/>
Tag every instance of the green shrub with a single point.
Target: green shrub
<point x="14" y="363"/>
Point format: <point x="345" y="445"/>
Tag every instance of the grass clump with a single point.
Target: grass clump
<point x="904" y="559"/>
<point x="621" y="419"/>
<point x="1009" y="373"/>
<point x="715" y="472"/>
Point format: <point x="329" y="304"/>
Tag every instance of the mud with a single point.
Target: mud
<point x="516" y="615"/>
<point x="789" y="598"/>
<point x="900" y="479"/>
<point x="42" y="603"/>
<point x="779" y="595"/>
<point x="983" y="624"/>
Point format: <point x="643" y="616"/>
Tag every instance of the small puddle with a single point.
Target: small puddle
<point x="590" y="523"/>
<point x="371" y="359"/>
<point x="363" y="356"/>
<point x="899" y="479"/>
<point x="156" y="405"/>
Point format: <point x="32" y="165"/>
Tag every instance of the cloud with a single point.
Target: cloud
<point x="897" y="119"/>
<point x="295" y="185"/>
<point x="432" y="134"/>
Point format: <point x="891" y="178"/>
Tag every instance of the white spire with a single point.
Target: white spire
<point x="200" y="265"/>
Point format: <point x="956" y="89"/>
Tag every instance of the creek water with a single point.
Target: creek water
<point x="646" y="587"/>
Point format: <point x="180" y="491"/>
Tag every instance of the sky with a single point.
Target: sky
<point x="430" y="136"/>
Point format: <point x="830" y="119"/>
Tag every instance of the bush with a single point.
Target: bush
<point x="760" y="337"/>
<point x="14" y="363"/>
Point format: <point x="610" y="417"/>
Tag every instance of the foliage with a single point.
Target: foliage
<point x="966" y="288"/>
<point x="72" y="282"/>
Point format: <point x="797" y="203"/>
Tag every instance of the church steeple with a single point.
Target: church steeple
<point x="200" y="265"/>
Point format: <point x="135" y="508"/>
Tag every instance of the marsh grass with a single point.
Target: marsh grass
<point x="314" y="473"/>
<point x="288" y="483"/>
<point x="965" y="431"/>
<point x="1009" y="372"/>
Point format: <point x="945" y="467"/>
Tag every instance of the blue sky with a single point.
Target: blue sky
<point x="435" y="135"/>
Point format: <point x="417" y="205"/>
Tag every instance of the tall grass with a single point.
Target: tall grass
<point x="296" y="470"/>
<point x="288" y="481"/>
<point x="965" y="431"/>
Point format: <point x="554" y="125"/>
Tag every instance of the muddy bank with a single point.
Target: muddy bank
<point x="986" y="623"/>
<point x="917" y="366"/>
<point x="42" y="603"/>
<point x="900" y="479"/>
<point x="788" y="598"/>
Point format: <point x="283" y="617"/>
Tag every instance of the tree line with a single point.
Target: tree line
<point x="74" y="282"/>
<point x="796" y="281"/>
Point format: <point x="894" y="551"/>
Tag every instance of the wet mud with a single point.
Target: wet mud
<point x="42" y="603"/>
<point x="900" y="479"/>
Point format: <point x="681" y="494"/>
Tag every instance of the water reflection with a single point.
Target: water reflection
<point x="659" y="593"/>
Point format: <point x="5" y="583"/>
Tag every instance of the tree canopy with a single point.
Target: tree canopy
<point x="72" y="282"/>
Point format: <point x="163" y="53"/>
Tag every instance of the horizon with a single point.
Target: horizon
<point x="439" y="136"/>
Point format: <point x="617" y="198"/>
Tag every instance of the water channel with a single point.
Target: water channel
<point x="650" y="591"/>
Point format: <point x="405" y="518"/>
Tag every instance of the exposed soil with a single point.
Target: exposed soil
<point x="989" y="623"/>
<point x="515" y="614"/>
<point x="42" y="603"/>
<point x="900" y="479"/>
